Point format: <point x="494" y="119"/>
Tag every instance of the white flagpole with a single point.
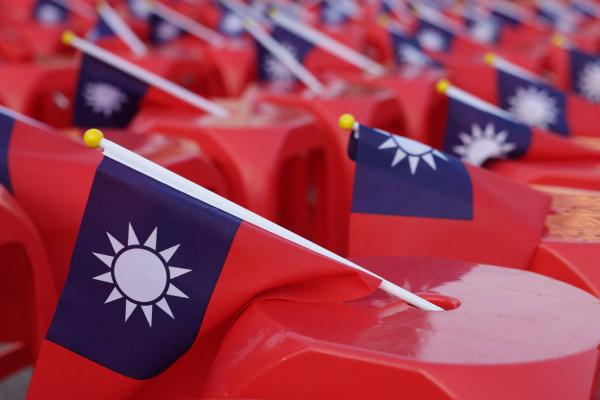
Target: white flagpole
<point x="327" y="43"/>
<point x="81" y="9"/>
<point x="24" y="118"/>
<point x="187" y="24"/>
<point x="144" y="75"/>
<point x="121" y="29"/>
<point x="510" y="68"/>
<point x="94" y="138"/>
<point x="284" y="56"/>
<point x="444" y="87"/>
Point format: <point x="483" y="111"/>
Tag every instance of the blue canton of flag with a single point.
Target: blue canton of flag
<point x="142" y="273"/>
<point x="101" y="30"/>
<point x="48" y="12"/>
<point x="585" y="74"/>
<point x="399" y="176"/>
<point x="270" y="69"/>
<point x="105" y="96"/>
<point x="230" y="24"/>
<point x="162" y="31"/>
<point x="505" y="18"/>
<point x="433" y="37"/>
<point x="6" y="128"/>
<point x="407" y="51"/>
<point x="477" y="135"/>
<point x="533" y="102"/>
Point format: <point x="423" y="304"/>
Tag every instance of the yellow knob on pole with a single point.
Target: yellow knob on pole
<point x="347" y="122"/>
<point x="490" y="57"/>
<point x="92" y="138"/>
<point x="442" y="86"/>
<point x="68" y="37"/>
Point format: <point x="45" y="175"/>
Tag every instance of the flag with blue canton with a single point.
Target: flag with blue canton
<point x="48" y="12"/>
<point x="585" y="74"/>
<point x="434" y="37"/>
<point x="230" y="24"/>
<point x="270" y="69"/>
<point x="162" y="31"/>
<point x="144" y="267"/>
<point x="101" y="30"/>
<point x="408" y="52"/>
<point x="477" y="134"/>
<point x="7" y="124"/>
<point x="533" y="102"/>
<point x="399" y="176"/>
<point x="105" y="96"/>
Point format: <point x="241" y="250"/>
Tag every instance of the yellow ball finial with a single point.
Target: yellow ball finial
<point x="442" y="86"/>
<point x="92" y="138"/>
<point x="347" y="122"/>
<point x="558" y="40"/>
<point x="383" y="20"/>
<point x="68" y="37"/>
<point x="490" y="57"/>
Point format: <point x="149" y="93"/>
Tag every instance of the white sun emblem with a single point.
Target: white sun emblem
<point x="431" y="39"/>
<point x="141" y="274"/>
<point x="166" y="31"/>
<point x="414" y="151"/>
<point x="534" y="107"/>
<point x="49" y="14"/>
<point x="139" y="8"/>
<point x="104" y="98"/>
<point x="232" y="24"/>
<point x="483" y="31"/>
<point x="411" y="56"/>
<point x="333" y="14"/>
<point x="276" y="71"/>
<point x="589" y="81"/>
<point x="483" y="144"/>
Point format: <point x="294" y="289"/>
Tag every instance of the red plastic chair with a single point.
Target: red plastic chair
<point x="505" y="333"/>
<point x="27" y="290"/>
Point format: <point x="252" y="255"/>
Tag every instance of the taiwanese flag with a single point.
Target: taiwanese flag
<point x="270" y="69"/>
<point x="106" y="96"/>
<point x="530" y="98"/>
<point x="229" y="23"/>
<point x="477" y="131"/>
<point x="100" y="31"/>
<point x="583" y="74"/>
<point x="410" y="199"/>
<point x="156" y="275"/>
<point x="49" y="12"/>
<point x="162" y="31"/>
<point x="483" y="29"/>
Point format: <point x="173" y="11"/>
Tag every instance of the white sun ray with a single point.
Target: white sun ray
<point x="276" y="71"/>
<point x="175" y="272"/>
<point x="104" y="98"/>
<point x="116" y="245"/>
<point x="151" y="241"/>
<point x="483" y="144"/>
<point x="114" y="295"/>
<point x="483" y="31"/>
<point x="412" y="56"/>
<point x="141" y="275"/>
<point x="413" y="150"/>
<point x="588" y="82"/>
<point x="173" y="291"/>
<point x="168" y="253"/>
<point x="534" y="107"/>
<point x="148" y="313"/>
<point x="163" y="305"/>
<point x="107" y="260"/>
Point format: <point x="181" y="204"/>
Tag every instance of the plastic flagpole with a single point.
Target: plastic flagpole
<point x="187" y="24"/>
<point x="327" y="43"/>
<point x="144" y="75"/>
<point x="121" y="29"/>
<point x="444" y="87"/>
<point x="284" y="56"/>
<point x="94" y="138"/>
<point x="502" y="64"/>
